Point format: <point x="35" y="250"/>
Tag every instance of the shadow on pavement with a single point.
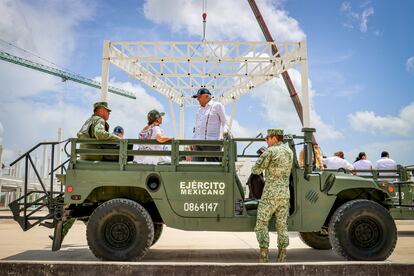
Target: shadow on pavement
<point x="184" y="255"/>
<point x="405" y="233"/>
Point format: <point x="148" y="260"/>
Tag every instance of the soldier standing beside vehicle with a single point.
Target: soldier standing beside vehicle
<point x="276" y="161"/>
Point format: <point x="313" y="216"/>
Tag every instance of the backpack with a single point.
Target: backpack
<point x="256" y="184"/>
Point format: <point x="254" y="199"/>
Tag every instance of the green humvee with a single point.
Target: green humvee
<point x="126" y="204"/>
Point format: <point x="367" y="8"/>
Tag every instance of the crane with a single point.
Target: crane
<point x="61" y="73"/>
<point x="285" y="75"/>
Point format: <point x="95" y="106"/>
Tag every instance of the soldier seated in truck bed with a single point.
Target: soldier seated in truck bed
<point x="96" y="127"/>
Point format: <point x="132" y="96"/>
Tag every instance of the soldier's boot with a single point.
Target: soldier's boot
<point x="264" y="255"/>
<point x="281" y="256"/>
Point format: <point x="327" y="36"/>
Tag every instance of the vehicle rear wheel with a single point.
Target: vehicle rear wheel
<point x="157" y="231"/>
<point x="120" y="230"/>
<point x="363" y="230"/>
<point x="316" y="240"/>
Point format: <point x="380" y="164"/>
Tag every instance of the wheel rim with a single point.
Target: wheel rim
<point x="119" y="232"/>
<point x="365" y="233"/>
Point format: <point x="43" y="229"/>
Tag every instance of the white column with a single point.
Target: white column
<point x="58" y="150"/>
<point x="173" y="119"/>
<point x="305" y="87"/>
<point x="182" y="121"/>
<point x="1" y="156"/>
<point x="43" y="170"/>
<point x="18" y="166"/>
<point x="48" y="166"/>
<point x="36" y="159"/>
<point x="233" y="113"/>
<point x="105" y="71"/>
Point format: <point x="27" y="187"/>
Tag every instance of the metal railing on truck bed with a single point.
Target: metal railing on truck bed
<point x="398" y="183"/>
<point x="123" y="152"/>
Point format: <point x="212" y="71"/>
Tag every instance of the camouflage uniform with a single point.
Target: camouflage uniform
<point x="96" y="128"/>
<point x="276" y="161"/>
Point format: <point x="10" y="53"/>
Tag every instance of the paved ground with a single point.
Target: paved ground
<point x="178" y="246"/>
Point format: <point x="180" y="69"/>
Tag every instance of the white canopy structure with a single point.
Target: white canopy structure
<point x="228" y="69"/>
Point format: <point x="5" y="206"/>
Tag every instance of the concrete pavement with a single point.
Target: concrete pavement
<point x="178" y="246"/>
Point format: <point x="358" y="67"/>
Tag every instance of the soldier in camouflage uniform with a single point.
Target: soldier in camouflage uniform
<point x="276" y="161"/>
<point x="97" y="128"/>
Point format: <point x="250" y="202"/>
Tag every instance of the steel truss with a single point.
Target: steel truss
<point x="228" y="69"/>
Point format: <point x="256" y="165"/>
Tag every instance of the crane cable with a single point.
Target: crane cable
<point x="204" y="16"/>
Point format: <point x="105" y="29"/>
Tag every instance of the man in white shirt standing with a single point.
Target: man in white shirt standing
<point x="337" y="162"/>
<point x="210" y="119"/>
<point x="385" y="163"/>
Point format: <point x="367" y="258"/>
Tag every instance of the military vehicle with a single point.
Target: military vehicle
<point x="125" y="204"/>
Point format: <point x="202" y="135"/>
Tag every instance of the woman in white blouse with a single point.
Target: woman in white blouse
<point x="153" y="131"/>
<point x="362" y="163"/>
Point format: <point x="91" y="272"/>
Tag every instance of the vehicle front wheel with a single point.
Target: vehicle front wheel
<point x="120" y="230"/>
<point x="316" y="240"/>
<point x="363" y="230"/>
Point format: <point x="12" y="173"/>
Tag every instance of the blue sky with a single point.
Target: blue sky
<point x="360" y="70"/>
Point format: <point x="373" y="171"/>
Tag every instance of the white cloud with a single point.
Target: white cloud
<point x="47" y="30"/>
<point x="232" y="20"/>
<point x="279" y="111"/>
<point x="39" y="120"/>
<point x="226" y="20"/>
<point x="357" y="18"/>
<point x="34" y="105"/>
<point x="28" y="113"/>
<point x="409" y="65"/>
<point x="368" y="121"/>
<point x="363" y="24"/>
<point x="240" y="131"/>
<point x="132" y="114"/>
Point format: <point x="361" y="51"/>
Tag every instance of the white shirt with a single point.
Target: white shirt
<point x="209" y="120"/>
<point x="363" y="164"/>
<point x="151" y="134"/>
<point x="386" y="163"/>
<point x="335" y="162"/>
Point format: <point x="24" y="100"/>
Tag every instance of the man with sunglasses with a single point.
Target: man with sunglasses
<point x="276" y="161"/>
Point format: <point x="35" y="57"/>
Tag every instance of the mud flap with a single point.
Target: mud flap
<point x="57" y="236"/>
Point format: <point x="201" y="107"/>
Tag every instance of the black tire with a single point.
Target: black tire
<point x="120" y="230"/>
<point x="157" y="232"/>
<point x="57" y="236"/>
<point x="363" y="230"/>
<point x="316" y="240"/>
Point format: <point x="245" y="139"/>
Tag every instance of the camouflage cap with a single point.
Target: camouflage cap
<point x="154" y="115"/>
<point x="101" y="104"/>
<point x="274" y="132"/>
